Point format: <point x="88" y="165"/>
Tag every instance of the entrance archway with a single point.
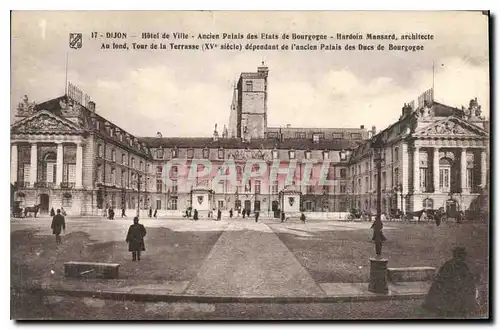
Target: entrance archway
<point x="44" y="203"/>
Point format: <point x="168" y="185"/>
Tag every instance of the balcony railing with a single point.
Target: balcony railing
<point x="41" y="184"/>
<point x="67" y="185"/>
<point x="23" y="184"/>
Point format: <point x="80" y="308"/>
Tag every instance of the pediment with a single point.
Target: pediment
<point x="451" y="127"/>
<point x="45" y="122"/>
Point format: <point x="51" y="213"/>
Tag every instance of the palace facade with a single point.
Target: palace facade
<point x="63" y="153"/>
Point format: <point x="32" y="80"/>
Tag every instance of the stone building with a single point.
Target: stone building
<point x="63" y="153"/>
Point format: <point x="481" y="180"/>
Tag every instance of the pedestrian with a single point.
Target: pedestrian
<point x="219" y="214"/>
<point x="156" y="212"/>
<point x="195" y="214"/>
<point x="303" y="218"/>
<point x="256" y="216"/>
<point x="150" y="212"/>
<point x="244" y="213"/>
<point x="135" y="239"/>
<point x="453" y="291"/>
<point x="111" y="213"/>
<point x="378" y="236"/>
<point x="52" y="212"/>
<point x="282" y="216"/>
<point x="58" y="223"/>
<point x="231" y="213"/>
<point x="123" y="212"/>
<point x="248" y="213"/>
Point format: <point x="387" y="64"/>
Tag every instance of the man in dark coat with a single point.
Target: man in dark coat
<point x="303" y="218"/>
<point x="244" y="213"/>
<point x="231" y="213"/>
<point x="123" y="212"/>
<point x="378" y="236"/>
<point x="282" y="216"/>
<point x="219" y="214"/>
<point x="195" y="214"/>
<point x="156" y="212"/>
<point x="58" y="223"/>
<point x="52" y="212"/>
<point x="150" y="212"/>
<point x="135" y="239"/>
<point x="256" y="216"/>
<point x="248" y="213"/>
<point x="453" y="292"/>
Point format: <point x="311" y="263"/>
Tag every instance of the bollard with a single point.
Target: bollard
<point x="378" y="276"/>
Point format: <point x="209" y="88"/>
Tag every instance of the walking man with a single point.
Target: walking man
<point x="219" y="214"/>
<point x="58" y="223"/>
<point x="156" y="212"/>
<point x="256" y="216"/>
<point x="231" y="213"/>
<point x="195" y="214"/>
<point x="123" y="212"/>
<point x="135" y="239"/>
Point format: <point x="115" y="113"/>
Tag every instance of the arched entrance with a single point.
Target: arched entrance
<point x="452" y="208"/>
<point x="44" y="203"/>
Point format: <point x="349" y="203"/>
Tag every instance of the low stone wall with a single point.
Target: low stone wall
<point x="411" y="274"/>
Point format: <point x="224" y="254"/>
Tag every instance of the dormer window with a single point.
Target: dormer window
<point x="249" y="86"/>
<point x="98" y="125"/>
<point x="175" y="153"/>
<point x="343" y="155"/>
<point x="275" y="154"/>
<point x="221" y="153"/>
<point x="326" y="154"/>
<point x="159" y="153"/>
<point x="308" y="154"/>
<point x="190" y="153"/>
<point x="291" y="154"/>
<point x="206" y="153"/>
<point x="317" y="137"/>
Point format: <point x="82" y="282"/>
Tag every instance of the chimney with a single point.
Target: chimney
<point x="407" y="109"/>
<point x="91" y="106"/>
<point x="374" y="130"/>
<point x="159" y="135"/>
<point x="288" y="125"/>
<point x="216" y="134"/>
<point x="362" y="127"/>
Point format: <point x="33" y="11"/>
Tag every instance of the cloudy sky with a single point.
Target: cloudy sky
<point x="186" y="93"/>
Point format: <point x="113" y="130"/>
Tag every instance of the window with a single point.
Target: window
<point x="175" y="171"/>
<point x="175" y="153"/>
<point x="174" y="187"/>
<point x="343" y="155"/>
<point x="337" y="135"/>
<point x="274" y="187"/>
<point x="124" y="159"/>
<point x="113" y="176"/>
<point x="396" y="154"/>
<point x="275" y="154"/>
<point x="248" y="186"/>
<point x="383" y="180"/>
<point x="206" y="153"/>
<point x="300" y="135"/>
<point x="356" y="136"/>
<point x="239" y="172"/>
<point x="326" y="155"/>
<point x="291" y="154"/>
<point x="190" y="153"/>
<point x="249" y="86"/>
<point x="308" y="154"/>
<point x="343" y="173"/>
<point x="124" y="179"/>
<point x="444" y="174"/>
<point x="159" y="153"/>
<point x="99" y="150"/>
<point x="120" y="136"/>
<point x="469" y="174"/>
<point x="257" y="186"/>
<point x="366" y="184"/>
<point x="342" y="188"/>
<point x="173" y="203"/>
<point x="158" y="204"/>
<point x="98" y="125"/>
<point x="99" y="173"/>
<point x="113" y="155"/>
<point x="318" y="136"/>
<point x="133" y="162"/>
<point x="221" y="154"/>
<point x="396" y="176"/>
<point x="159" y="186"/>
<point x="141" y="166"/>
<point x="308" y="205"/>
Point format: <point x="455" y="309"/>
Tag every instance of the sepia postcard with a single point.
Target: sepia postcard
<point x="250" y="165"/>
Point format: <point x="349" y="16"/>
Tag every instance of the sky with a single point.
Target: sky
<point x="186" y="93"/>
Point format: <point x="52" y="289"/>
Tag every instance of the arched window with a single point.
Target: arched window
<point x="113" y="176"/>
<point x="99" y="150"/>
<point x="445" y="174"/>
<point x="49" y="167"/>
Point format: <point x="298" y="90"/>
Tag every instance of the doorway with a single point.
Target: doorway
<point x="248" y="205"/>
<point x="44" y="203"/>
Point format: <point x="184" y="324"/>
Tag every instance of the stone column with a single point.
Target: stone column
<point x="13" y="163"/>
<point x="59" y="164"/>
<point x="79" y="167"/>
<point x="378" y="276"/>
<point x="416" y="170"/>
<point x="405" y="168"/>
<point x="34" y="164"/>
<point x="435" y="169"/>
<point x="463" y="170"/>
<point x="483" y="168"/>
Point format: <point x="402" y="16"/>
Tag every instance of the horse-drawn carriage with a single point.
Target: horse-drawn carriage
<point x="20" y="212"/>
<point x="17" y="210"/>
